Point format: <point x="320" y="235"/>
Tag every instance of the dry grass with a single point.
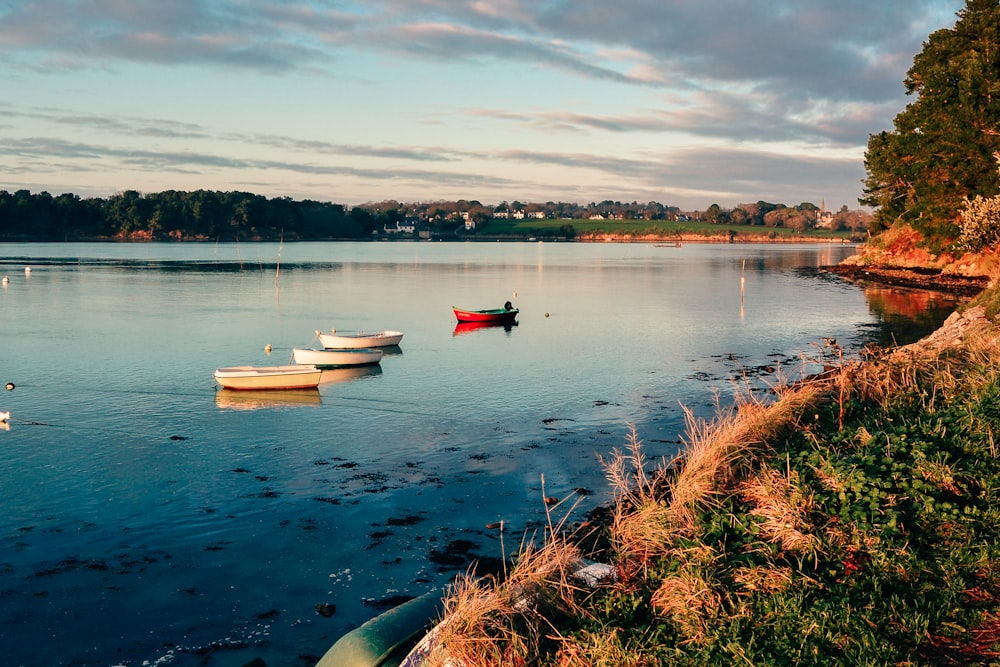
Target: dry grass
<point x="714" y="447"/>
<point x="601" y="649"/>
<point x="641" y="523"/>
<point x="689" y="599"/>
<point x="782" y="509"/>
<point x="655" y="508"/>
<point x="501" y="623"/>
<point x="766" y="579"/>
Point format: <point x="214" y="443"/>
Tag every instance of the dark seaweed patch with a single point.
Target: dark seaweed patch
<point x="407" y="520"/>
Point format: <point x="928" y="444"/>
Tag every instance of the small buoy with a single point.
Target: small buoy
<point x="4" y="416"/>
<point x="546" y="314"/>
<point x="267" y="348"/>
<point x="9" y="386"/>
<point x="515" y="294"/>
<point x="6" y="280"/>
<point x="27" y="270"/>
<point x="333" y="331"/>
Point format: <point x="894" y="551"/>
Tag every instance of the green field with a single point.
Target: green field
<point x="554" y="228"/>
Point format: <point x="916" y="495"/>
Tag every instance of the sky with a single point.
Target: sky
<point x="687" y="103"/>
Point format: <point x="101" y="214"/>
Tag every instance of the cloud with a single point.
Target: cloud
<point x="79" y="34"/>
<point x="638" y="95"/>
<point x="850" y="48"/>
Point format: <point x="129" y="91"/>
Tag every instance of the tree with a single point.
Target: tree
<point x="939" y="154"/>
<point x="715" y="215"/>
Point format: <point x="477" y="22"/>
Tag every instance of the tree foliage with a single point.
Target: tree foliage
<point x="198" y="215"/>
<point x="940" y="152"/>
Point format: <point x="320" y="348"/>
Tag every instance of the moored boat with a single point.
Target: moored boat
<point x="348" y="341"/>
<point x="297" y="376"/>
<point x="388" y="638"/>
<point x="505" y="315"/>
<point x="333" y="357"/>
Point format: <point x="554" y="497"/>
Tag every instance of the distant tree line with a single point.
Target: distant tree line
<point x="797" y="218"/>
<point x="241" y="216"/>
<point x="198" y="215"/>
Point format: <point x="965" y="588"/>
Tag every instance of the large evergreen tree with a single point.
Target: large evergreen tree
<point x="941" y="150"/>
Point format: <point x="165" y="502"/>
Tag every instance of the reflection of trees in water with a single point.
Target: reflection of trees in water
<point x="907" y="315"/>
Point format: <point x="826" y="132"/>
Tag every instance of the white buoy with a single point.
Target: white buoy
<point x="5" y="281"/>
<point x="267" y="348"/>
<point x="27" y="270"/>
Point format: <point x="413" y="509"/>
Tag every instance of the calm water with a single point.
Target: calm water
<point x="148" y="518"/>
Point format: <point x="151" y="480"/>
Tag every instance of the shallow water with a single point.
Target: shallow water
<point x="149" y="518"/>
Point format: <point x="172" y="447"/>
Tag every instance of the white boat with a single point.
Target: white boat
<point x="349" y="341"/>
<point x="351" y="357"/>
<point x="298" y="376"/>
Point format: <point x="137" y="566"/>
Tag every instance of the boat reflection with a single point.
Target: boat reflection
<point x="349" y="373"/>
<point x="238" y="399"/>
<point x="391" y="350"/>
<point x="463" y="328"/>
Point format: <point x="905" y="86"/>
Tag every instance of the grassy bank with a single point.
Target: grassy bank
<point x="852" y="518"/>
<point x="646" y="230"/>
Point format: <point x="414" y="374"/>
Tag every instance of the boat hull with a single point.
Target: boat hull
<point x="268" y="377"/>
<point x="330" y="357"/>
<point x="387" y="638"/>
<point x="495" y="316"/>
<point x="336" y="341"/>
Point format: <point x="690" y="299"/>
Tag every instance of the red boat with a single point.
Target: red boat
<point x="503" y="315"/>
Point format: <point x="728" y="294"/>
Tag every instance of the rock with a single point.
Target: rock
<point x="325" y="609"/>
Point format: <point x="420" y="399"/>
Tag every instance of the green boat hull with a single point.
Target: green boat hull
<point x="385" y="640"/>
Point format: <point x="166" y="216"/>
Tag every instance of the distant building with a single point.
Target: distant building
<point x="824" y="218"/>
<point x="404" y="226"/>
